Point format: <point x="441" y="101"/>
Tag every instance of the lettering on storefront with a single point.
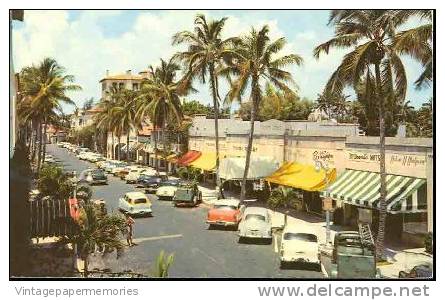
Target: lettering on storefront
<point x="239" y="148"/>
<point x="322" y="155"/>
<point x="404" y="160"/>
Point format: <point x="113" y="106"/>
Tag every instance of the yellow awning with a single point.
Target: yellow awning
<point x="304" y="177"/>
<point x="206" y="162"/>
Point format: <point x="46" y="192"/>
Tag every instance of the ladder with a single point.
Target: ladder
<point x="366" y="234"/>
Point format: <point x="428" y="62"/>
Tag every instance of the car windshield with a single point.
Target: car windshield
<point x="169" y="183"/>
<point x="184" y="194"/>
<point x="98" y="173"/>
<point x="306" y="237"/>
<point x="255" y="217"/>
<point x="226" y="207"/>
<point x="140" y="201"/>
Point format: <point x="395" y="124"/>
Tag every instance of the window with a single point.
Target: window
<point x="121" y="85"/>
<point x="115" y="85"/>
<point x="135" y="86"/>
<point x="104" y="86"/>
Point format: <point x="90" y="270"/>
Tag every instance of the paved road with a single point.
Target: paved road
<point x="198" y="251"/>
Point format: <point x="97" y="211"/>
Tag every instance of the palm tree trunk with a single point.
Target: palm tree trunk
<point x="44" y="144"/>
<point x="128" y="146"/>
<point x="85" y="266"/>
<point x="113" y="155"/>
<point x="35" y="128"/>
<point x="382" y="211"/>
<point x="216" y="116"/>
<point x="39" y="151"/>
<point x="119" y="147"/>
<point x="164" y="140"/>
<point x="156" y="151"/>
<point x="255" y="103"/>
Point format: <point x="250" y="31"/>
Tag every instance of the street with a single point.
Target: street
<point x="198" y="251"/>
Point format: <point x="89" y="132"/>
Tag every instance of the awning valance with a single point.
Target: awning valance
<point x="206" y="162"/>
<point x="187" y="158"/>
<point x="362" y="188"/>
<point x="304" y="177"/>
<point x="260" y="167"/>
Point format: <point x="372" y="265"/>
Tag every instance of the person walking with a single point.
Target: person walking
<point x="130" y="230"/>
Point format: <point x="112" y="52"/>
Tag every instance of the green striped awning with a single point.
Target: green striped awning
<point x="362" y="188"/>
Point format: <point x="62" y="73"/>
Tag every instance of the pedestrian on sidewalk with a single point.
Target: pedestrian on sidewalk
<point x="130" y="229"/>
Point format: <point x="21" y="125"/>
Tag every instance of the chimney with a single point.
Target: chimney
<point x="128" y="72"/>
<point x="107" y="73"/>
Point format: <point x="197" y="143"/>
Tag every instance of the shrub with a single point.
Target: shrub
<point x="54" y="182"/>
<point x="283" y="197"/>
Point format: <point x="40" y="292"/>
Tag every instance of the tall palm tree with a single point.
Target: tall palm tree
<point x="205" y="52"/>
<point x="256" y="62"/>
<point x="103" y="120"/>
<point x="372" y="65"/>
<point x="124" y="115"/>
<point x="46" y="87"/>
<point x="416" y="42"/>
<point x="160" y="98"/>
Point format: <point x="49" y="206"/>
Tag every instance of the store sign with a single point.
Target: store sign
<point x="402" y="160"/>
<point x="322" y="155"/>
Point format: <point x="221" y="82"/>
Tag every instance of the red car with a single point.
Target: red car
<point x="226" y="212"/>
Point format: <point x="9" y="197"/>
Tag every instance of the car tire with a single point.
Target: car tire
<point x="241" y="240"/>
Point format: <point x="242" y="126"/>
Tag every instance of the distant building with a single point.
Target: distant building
<point x="83" y="118"/>
<point x="125" y="80"/>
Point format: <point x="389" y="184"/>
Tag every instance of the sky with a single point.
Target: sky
<point x="87" y="43"/>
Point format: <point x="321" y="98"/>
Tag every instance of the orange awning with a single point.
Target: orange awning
<point x="189" y="157"/>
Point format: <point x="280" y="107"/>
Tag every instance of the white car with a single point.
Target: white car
<point x="255" y="224"/>
<point x="167" y="189"/>
<point x="298" y="246"/>
<point x="82" y="155"/>
<point x="135" y="203"/>
<point x="133" y="175"/>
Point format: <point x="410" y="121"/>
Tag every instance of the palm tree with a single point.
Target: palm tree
<point x="256" y="62"/>
<point x="372" y="66"/>
<point x="124" y="115"/>
<point x="205" y="52"/>
<point x="45" y="86"/>
<point x="160" y="99"/>
<point x="96" y="231"/>
<point x="416" y="42"/>
<point x="103" y="120"/>
<point x="162" y="265"/>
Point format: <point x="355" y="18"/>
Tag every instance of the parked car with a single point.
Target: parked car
<point x="298" y="246"/>
<point x="117" y="168"/>
<point x="152" y="183"/>
<point x="225" y="212"/>
<point x="133" y="175"/>
<point x="419" y="271"/>
<point x="135" y="203"/>
<point x="111" y="165"/>
<point x="93" y="176"/>
<point x="167" y="189"/>
<point x="187" y="195"/>
<point x="255" y="223"/>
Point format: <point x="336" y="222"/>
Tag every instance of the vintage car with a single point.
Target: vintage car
<point x="298" y="246"/>
<point x="167" y="189"/>
<point x="187" y="195"/>
<point x="133" y="175"/>
<point x="152" y="183"/>
<point x="93" y="176"/>
<point x="420" y="271"/>
<point x="119" y="167"/>
<point x="135" y="204"/>
<point x="225" y="212"/>
<point x="255" y="224"/>
<point x="352" y="257"/>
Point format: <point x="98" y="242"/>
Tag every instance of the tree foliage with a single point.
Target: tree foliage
<point x="55" y="183"/>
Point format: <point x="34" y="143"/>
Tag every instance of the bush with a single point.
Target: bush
<point x="429" y="243"/>
<point x="53" y="182"/>
<point x="284" y="197"/>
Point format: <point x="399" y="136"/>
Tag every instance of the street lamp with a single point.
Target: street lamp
<point x="320" y="165"/>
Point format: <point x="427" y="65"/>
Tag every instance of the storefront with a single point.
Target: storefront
<point x="307" y="179"/>
<point x="357" y="193"/>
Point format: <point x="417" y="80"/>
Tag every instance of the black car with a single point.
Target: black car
<point x="151" y="184"/>
<point x="420" y="271"/>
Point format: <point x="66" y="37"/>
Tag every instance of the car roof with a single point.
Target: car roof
<point x="256" y="210"/>
<point x="135" y="195"/>
<point x="230" y="202"/>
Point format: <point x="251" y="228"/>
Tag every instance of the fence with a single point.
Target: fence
<point x="50" y="218"/>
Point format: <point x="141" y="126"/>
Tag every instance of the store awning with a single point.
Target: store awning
<point x="206" y="162"/>
<point x="260" y="167"/>
<point x="362" y="188"/>
<point x="187" y="158"/>
<point x="304" y="177"/>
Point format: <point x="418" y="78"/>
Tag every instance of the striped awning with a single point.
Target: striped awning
<point x="362" y="188"/>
